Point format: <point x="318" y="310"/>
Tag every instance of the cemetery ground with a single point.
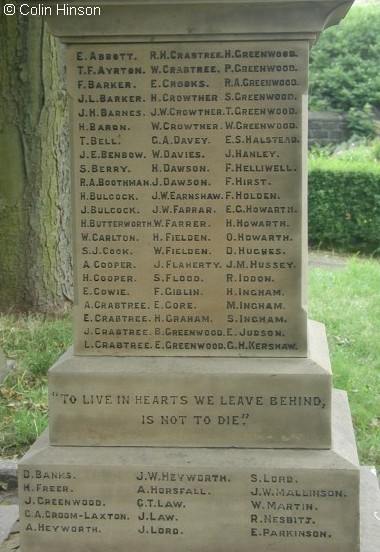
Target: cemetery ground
<point x="343" y="294"/>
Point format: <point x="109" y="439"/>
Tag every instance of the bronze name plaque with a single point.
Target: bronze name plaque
<point x="189" y="190"/>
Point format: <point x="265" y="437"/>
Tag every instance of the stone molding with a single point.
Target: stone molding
<point x="194" y="20"/>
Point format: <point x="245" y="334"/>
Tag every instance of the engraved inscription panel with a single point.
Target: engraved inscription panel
<point x="195" y="410"/>
<point x="188" y="186"/>
<point x="210" y="508"/>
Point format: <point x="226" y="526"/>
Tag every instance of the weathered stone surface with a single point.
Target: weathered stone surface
<point x="369" y="515"/>
<point x="8" y="517"/>
<point x="190" y="499"/>
<point x="191" y="348"/>
<point x="8" y="473"/>
<point x="137" y="21"/>
<point x="218" y="269"/>
<point x="276" y="403"/>
<point x="189" y="193"/>
<point x="369" y="510"/>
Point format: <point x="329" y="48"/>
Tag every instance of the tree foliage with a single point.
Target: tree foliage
<point x="344" y="64"/>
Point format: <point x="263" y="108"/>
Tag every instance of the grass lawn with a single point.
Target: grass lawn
<point x="346" y="300"/>
<point x="35" y="342"/>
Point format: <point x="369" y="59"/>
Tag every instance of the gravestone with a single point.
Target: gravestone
<point x="195" y="411"/>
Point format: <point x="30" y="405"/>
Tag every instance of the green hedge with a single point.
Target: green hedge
<point x="344" y="206"/>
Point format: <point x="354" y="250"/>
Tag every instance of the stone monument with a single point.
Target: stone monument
<point x="195" y="411"/>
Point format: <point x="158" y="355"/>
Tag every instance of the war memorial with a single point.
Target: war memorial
<point x="195" y="411"/>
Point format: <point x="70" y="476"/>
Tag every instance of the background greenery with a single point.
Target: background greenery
<point x="344" y="64"/>
<point x="344" y="197"/>
<point x="347" y="301"/>
<point x="34" y="342"/>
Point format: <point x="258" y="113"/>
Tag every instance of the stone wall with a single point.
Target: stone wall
<point x="327" y="127"/>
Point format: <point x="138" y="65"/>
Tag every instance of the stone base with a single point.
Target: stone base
<point x="369" y="510"/>
<point x="214" y="402"/>
<point x="154" y="499"/>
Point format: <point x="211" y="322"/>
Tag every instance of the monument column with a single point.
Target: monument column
<point x="195" y="411"/>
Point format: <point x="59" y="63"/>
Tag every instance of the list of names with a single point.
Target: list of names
<point x="160" y="507"/>
<point x="188" y="186"/>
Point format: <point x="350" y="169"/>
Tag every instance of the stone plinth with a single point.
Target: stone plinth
<point x="153" y="499"/>
<point x="275" y="403"/>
